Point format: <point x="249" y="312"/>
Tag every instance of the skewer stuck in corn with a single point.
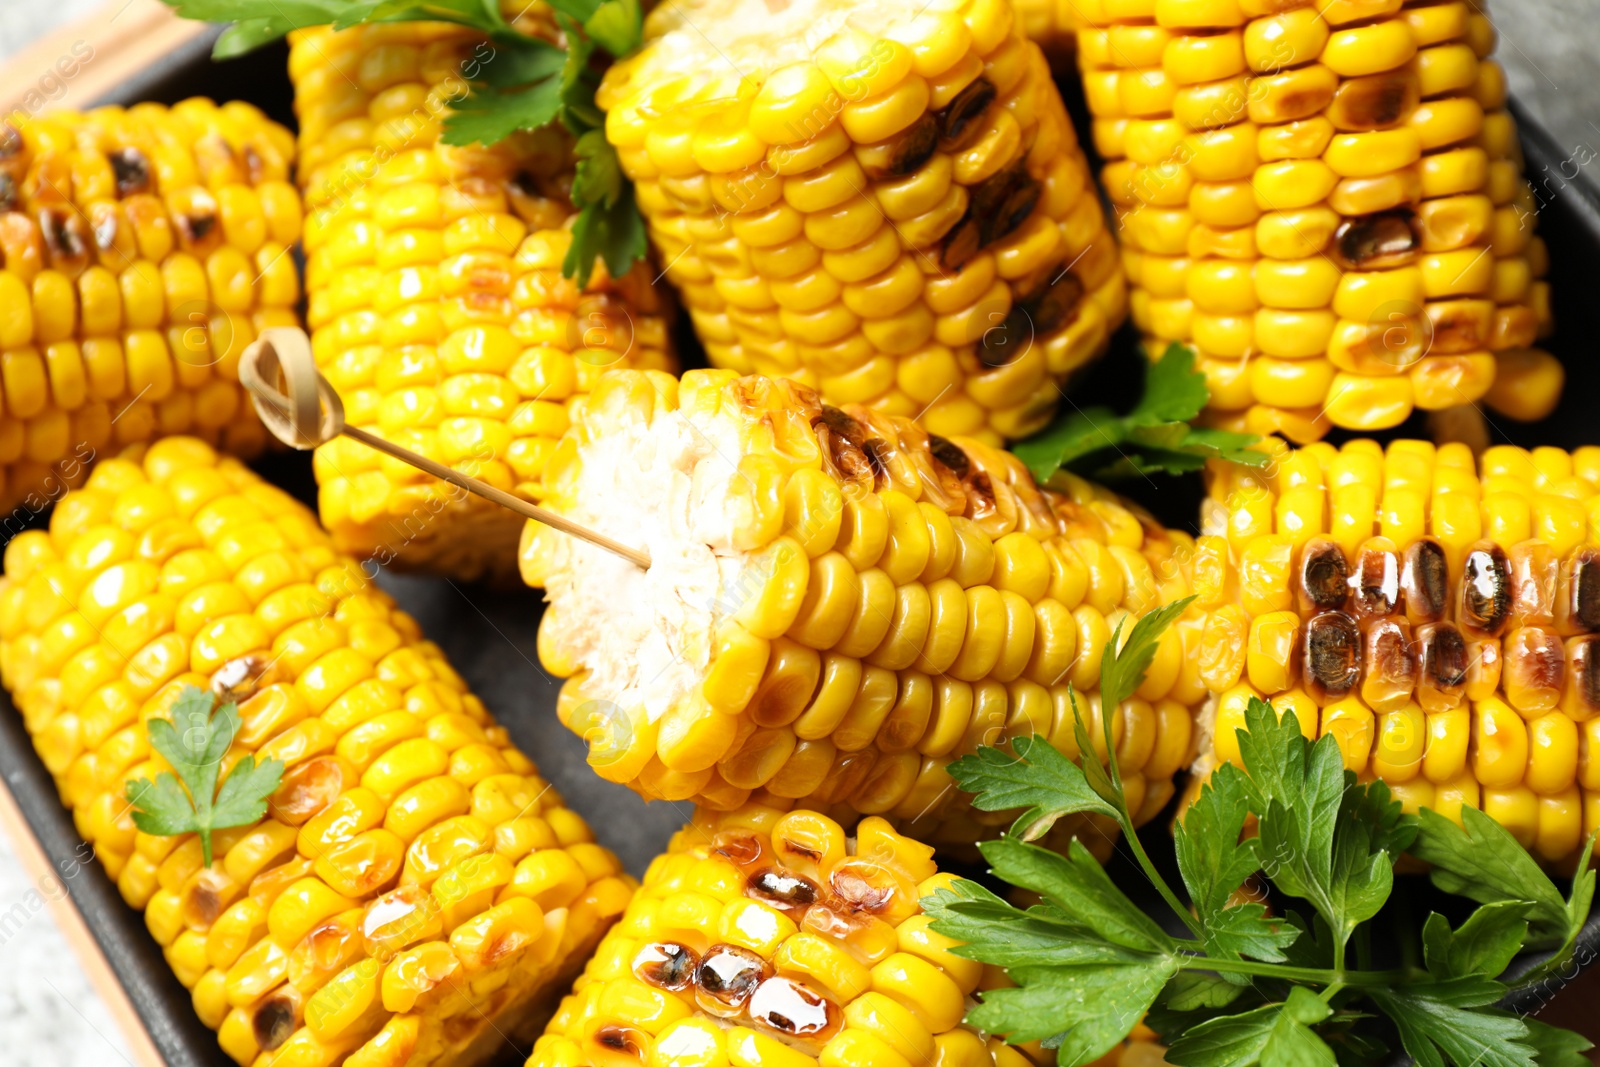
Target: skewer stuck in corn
<point x="415" y="891"/>
<point x="1440" y="618"/>
<point x="882" y="200"/>
<point x="838" y="604"/>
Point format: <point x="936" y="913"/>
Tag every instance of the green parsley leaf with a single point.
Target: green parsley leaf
<point x="1081" y="1012"/>
<point x="1121" y="674"/>
<point x="1154" y="437"/>
<point x="1454" y="1022"/>
<point x="1077" y="885"/>
<point x="487" y="115"/>
<point x="1215" y="862"/>
<point x="1555" y="1047"/>
<point x="194" y="742"/>
<point x="1274" y="1035"/>
<point x="1482" y="947"/>
<point x="1037" y="778"/>
<point x="1480" y="860"/>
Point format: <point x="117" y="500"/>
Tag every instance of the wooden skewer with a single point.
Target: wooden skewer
<point x="311" y="413"/>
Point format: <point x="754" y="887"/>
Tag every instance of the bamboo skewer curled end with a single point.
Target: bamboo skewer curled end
<point x="300" y="408"/>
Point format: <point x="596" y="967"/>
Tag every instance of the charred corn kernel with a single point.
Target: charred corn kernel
<point x="328" y="916"/>
<point x="830" y="990"/>
<point x="1446" y="630"/>
<point x="435" y="297"/>
<point x="139" y="260"/>
<point x="908" y="223"/>
<point x="866" y="676"/>
<point x="1308" y="199"/>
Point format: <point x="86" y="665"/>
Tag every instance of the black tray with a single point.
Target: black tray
<point x="489" y="635"/>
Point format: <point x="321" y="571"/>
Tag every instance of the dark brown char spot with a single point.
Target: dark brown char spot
<point x="11" y="140"/>
<point x="874" y="449"/>
<point x="1534" y="659"/>
<point x="8" y="192"/>
<point x="729" y="975"/>
<point x="1324" y="574"/>
<point x="1384" y="239"/>
<point x="1586" y="589"/>
<point x="1371" y="103"/>
<point x="990" y="200"/>
<point x="273" y="1022"/>
<point x="949" y="453"/>
<point x="1376" y="582"/>
<point x="1390" y="660"/>
<point x="742" y="849"/>
<point x="791" y="1008"/>
<point x="968" y="104"/>
<point x="1583" y="669"/>
<point x="1332" y="656"/>
<point x="66" y="237"/>
<point x="1486" y="591"/>
<point x="782" y="889"/>
<point x="1425" y="580"/>
<point x="131" y="171"/>
<point x="961" y="243"/>
<point x="666" y="965"/>
<point x="195" y="227"/>
<point x="913" y="147"/>
<point x="1001" y="344"/>
<point x="1056" y="303"/>
<point x="620" y="1039"/>
<point x="1444" y="656"/>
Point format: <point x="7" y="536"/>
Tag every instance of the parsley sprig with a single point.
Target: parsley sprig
<point x="1245" y="986"/>
<point x="520" y="83"/>
<point x="1156" y="436"/>
<point x="195" y="742"/>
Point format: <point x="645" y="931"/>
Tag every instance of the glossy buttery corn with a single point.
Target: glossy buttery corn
<point x="838" y="604"/>
<point x="437" y="305"/>
<point x="415" y="890"/>
<point x="768" y="938"/>
<point x="1440" y="622"/>
<point x="1326" y="200"/>
<point x="141" y="250"/>
<point x="884" y="201"/>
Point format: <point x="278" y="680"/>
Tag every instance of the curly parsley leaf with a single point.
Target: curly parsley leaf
<point x="195" y="742"/>
<point x="1154" y="437"/>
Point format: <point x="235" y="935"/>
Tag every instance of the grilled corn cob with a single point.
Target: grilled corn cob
<point x="1326" y="201"/>
<point x="437" y="305"/>
<point x="415" y="889"/>
<point x="884" y="201"/>
<point x="838" y="604"/>
<point x="766" y="937"/>
<point x="1438" y="619"/>
<point x="141" y="250"/>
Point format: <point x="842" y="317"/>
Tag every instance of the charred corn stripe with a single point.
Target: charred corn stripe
<point x="765" y="937"/>
<point x="1327" y="202"/>
<point x="141" y="250"/>
<point x="1439" y="616"/>
<point x="415" y="888"/>
<point x="899" y="218"/>
<point x="436" y="301"/>
<point x="840" y="603"/>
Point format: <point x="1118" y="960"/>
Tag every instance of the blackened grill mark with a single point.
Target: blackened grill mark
<point x="1486" y="591"/>
<point x="1444" y="656"/>
<point x="1324" y="575"/>
<point x="65" y="237"/>
<point x="914" y="147"/>
<point x="273" y="1022"/>
<point x="1586" y="589"/>
<point x="1332" y="655"/>
<point x="130" y="170"/>
<point x="968" y="104"/>
<point x="666" y="964"/>
<point x="874" y="449"/>
<point x="8" y="192"/>
<point x="1425" y="579"/>
<point x="1383" y="239"/>
<point x="782" y="889"/>
<point x="949" y="453"/>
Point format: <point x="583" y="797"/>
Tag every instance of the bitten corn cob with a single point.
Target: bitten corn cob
<point x="1326" y="200"/>
<point x="882" y="200"/>
<point x="141" y="250"/>
<point x="1441" y="621"/>
<point x="437" y="305"/>
<point x="838" y="604"/>
<point x="768" y="938"/>
<point x="416" y="889"/>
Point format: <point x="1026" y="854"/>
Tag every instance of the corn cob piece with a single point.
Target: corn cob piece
<point x="765" y="937"/>
<point x="437" y="305"/>
<point x="141" y="250"/>
<point x="415" y="890"/>
<point x="1441" y="619"/>
<point x="838" y="603"/>
<point x="1326" y="201"/>
<point x="884" y="201"/>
